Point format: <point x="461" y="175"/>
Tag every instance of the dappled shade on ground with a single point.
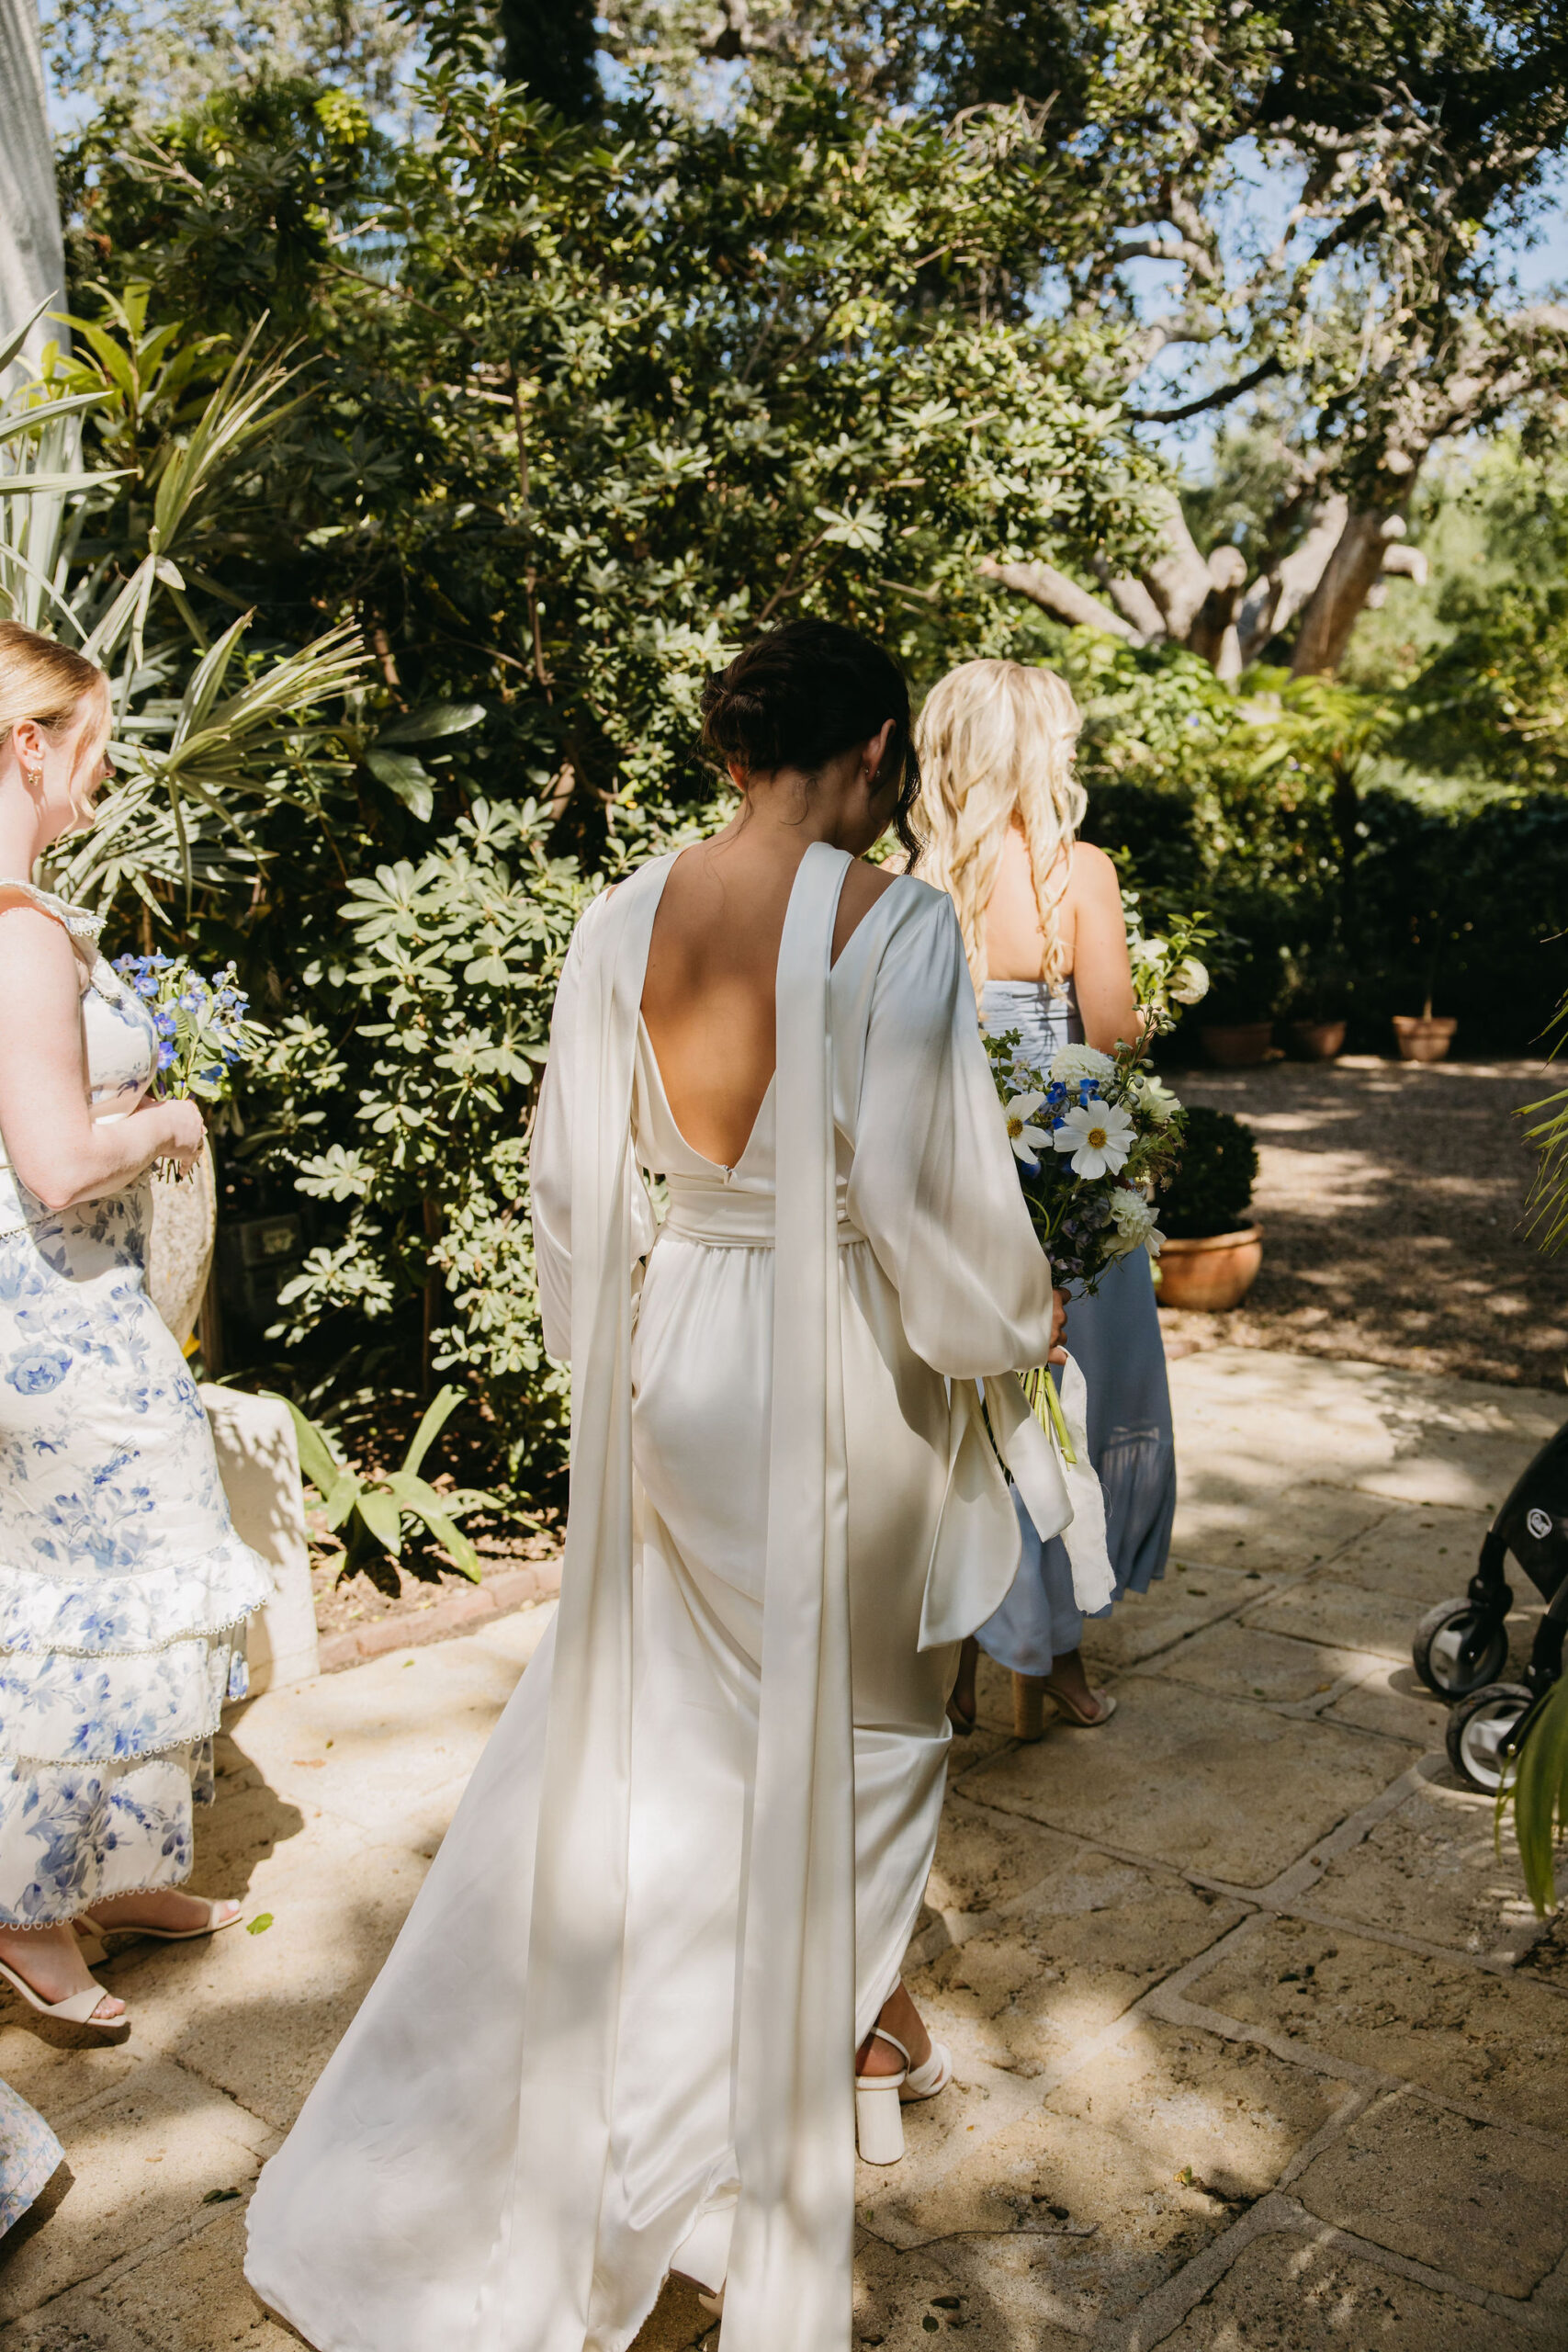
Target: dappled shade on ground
<point x="1392" y="1197"/>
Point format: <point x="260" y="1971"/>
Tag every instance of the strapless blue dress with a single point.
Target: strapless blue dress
<point x="1115" y="1336"/>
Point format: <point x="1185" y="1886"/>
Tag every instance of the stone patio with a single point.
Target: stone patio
<point x="1257" y="2044"/>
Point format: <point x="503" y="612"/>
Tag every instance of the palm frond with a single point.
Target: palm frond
<point x="1539" y="1796"/>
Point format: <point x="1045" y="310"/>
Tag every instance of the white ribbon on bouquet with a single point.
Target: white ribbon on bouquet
<point x="1062" y="1498"/>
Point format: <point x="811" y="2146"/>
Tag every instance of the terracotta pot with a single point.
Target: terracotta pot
<point x="1212" y="1272"/>
<point x="1318" y="1041"/>
<point x="1239" y="1044"/>
<point x="1422" y="1036"/>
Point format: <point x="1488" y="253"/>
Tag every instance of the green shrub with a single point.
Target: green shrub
<point x="1211" y="1188"/>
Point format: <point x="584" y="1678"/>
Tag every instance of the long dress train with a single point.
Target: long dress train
<point x="625" y="2005"/>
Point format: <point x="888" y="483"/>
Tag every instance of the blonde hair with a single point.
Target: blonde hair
<point x="42" y="681"/>
<point x="996" y="739"/>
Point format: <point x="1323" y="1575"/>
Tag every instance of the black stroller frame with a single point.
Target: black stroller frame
<point x="1460" y="1647"/>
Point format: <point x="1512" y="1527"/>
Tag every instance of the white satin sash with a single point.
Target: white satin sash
<point x="790" y="2285"/>
<point x="538" y="2293"/>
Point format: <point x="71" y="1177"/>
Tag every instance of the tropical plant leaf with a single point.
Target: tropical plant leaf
<point x="1540" y="1795"/>
<point x="403" y="774"/>
<point x="381" y="1515"/>
<point x="53" y="485"/>
<point x="437" y="718"/>
<point x="437" y="1413"/>
<point x="425" y="1503"/>
<point x="18" y="335"/>
<point x="317" y="1460"/>
<point x="344" y="1497"/>
<point x="37" y="418"/>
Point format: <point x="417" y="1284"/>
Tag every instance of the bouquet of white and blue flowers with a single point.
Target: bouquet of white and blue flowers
<point x="204" y="1026"/>
<point x="1093" y="1134"/>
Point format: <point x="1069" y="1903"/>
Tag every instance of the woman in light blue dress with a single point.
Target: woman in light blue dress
<point x="124" y="1589"/>
<point x="1042" y="927"/>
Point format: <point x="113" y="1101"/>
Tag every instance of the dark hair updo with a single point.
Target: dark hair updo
<point x="804" y="693"/>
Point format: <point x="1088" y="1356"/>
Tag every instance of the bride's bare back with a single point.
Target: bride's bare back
<point x="708" y="999"/>
<point x="813" y="724"/>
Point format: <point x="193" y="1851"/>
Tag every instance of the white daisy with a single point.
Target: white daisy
<point x="1074" y="1063"/>
<point x="1097" y="1135"/>
<point x="1027" y="1142"/>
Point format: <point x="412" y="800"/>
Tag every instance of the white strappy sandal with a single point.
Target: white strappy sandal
<point x="880" y="2099"/>
<point x="222" y="1911"/>
<point x="75" y="2009"/>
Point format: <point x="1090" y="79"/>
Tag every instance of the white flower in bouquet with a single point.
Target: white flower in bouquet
<point x="1189" y="981"/>
<point x="1027" y="1141"/>
<point x="1097" y="1135"/>
<point x="1134" y="1222"/>
<point x="1158" y="1100"/>
<point x="1075" y="1064"/>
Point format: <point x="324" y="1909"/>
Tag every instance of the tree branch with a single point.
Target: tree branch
<point x="1273" y="602"/>
<point x="1222" y="399"/>
<point x="1061" y="597"/>
<point x="1178" y="579"/>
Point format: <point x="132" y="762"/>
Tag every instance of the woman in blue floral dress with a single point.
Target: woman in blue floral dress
<point x="30" y="2154"/>
<point x="124" y="1588"/>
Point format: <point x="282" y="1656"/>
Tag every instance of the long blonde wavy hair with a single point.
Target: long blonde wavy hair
<point x="996" y="739"/>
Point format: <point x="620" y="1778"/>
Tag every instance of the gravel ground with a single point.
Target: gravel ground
<point x="1392" y="1197"/>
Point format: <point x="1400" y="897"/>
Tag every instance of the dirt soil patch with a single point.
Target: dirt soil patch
<point x="1393" y="1195"/>
<point x="423" y="1600"/>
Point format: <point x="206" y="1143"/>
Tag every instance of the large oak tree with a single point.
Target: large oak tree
<point x="1326" y="199"/>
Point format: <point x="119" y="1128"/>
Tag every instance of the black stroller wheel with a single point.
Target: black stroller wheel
<point x="1478" y="1729"/>
<point x="1458" y="1649"/>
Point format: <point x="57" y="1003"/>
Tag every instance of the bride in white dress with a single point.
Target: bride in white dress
<point x="618" y="2033"/>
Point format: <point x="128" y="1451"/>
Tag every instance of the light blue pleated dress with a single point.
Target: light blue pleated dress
<point x="1115" y="1336"/>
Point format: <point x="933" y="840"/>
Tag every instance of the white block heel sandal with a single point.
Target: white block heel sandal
<point x="880" y="2099"/>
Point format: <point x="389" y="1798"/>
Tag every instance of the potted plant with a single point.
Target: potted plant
<point x="1212" y="1253"/>
<point x="1237" y="1029"/>
<point x="1426" y="1037"/>
<point x="1316" y="1006"/>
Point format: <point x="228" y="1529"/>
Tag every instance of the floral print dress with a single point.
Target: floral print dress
<point x="30" y="2154"/>
<point x="124" y="1588"/>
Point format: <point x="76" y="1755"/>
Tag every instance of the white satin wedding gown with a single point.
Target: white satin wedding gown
<point x="619" y="2024"/>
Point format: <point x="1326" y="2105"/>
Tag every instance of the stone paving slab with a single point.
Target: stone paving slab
<point x="139" y="2161"/>
<point x="1421" y="1552"/>
<point x="1243" y="1516"/>
<point x="1238" y="1660"/>
<point x="1493" y="2042"/>
<point x="1492" y="2207"/>
<point x="1177" y="1774"/>
<point x="1393" y="1703"/>
<point x="1432" y="1870"/>
<point x="1286" y="2294"/>
<point x="1182" y="1602"/>
<point x="1258" y="2047"/>
<point x="1036" y="1982"/>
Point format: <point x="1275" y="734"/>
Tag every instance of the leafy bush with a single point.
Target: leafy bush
<point x="581" y="406"/>
<point x="447" y="998"/>
<point x="1211" y="1190"/>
